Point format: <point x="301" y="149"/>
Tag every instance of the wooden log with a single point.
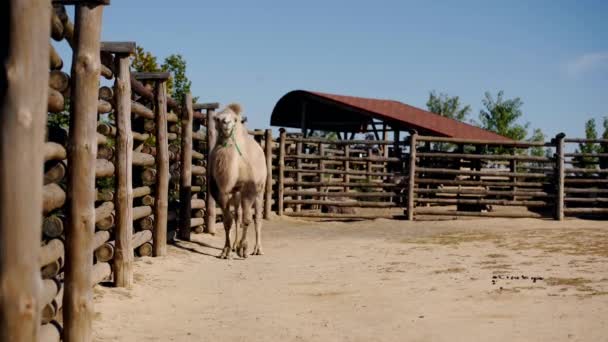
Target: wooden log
<point x="171" y="136"/>
<point x="147" y="200"/>
<point x="103" y="168"/>
<point x="146" y="223"/>
<point x="411" y="204"/>
<point x="334" y="183"/>
<point x="586" y="181"/>
<point x="141" y="191"/>
<point x="484" y="156"/>
<point x="104" y="107"/>
<point x="162" y="175"/>
<point x="197" y="155"/>
<point x="54" y="151"/>
<point x="583" y="141"/>
<point x="268" y="187"/>
<point x="354" y="204"/>
<point x="350" y="194"/>
<point x="483" y="192"/>
<point x="55" y="102"/>
<point x="105" y="152"/>
<point x="50" y="332"/>
<point x="459" y="182"/>
<point x="103" y="211"/>
<point x="281" y="185"/>
<point x="100" y="238"/>
<point x="142" y="111"/>
<point x="198" y="170"/>
<point x="586" y="191"/>
<point x="141" y="212"/>
<point x="149" y="150"/>
<point x="148" y="176"/>
<point x="342" y="158"/>
<point x="59" y="81"/>
<point x="583" y="170"/>
<point x="199" y="213"/>
<point x="55" y="61"/>
<point x="586" y="200"/>
<point x="101" y="271"/>
<point x="195" y="222"/>
<point x="200" y="136"/>
<point x="53" y="197"/>
<point x="107" y="94"/>
<point x="142" y="159"/>
<point x="52" y="269"/>
<point x="197" y="204"/>
<point x="106" y="129"/>
<point x="56" y="28"/>
<point x="50" y="252"/>
<point x="479" y="173"/>
<point x="586" y="210"/>
<point x="105" y="252"/>
<point x="483" y="201"/>
<point x="101" y="139"/>
<point x="107" y="222"/>
<point x="174" y="128"/>
<point x="197" y="189"/>
<point x="50" y="311"/>
<point x="104" y="195"/>
<point x="55" y="172"/>
<point x="316" y="141"/>
<point x="141" y="237"/>
<point x="52" y="226"/>
<point x="560" y="172"/>
<point x="144" y="250"/>
<point x="341" y="172"/>
<point x="106" y="72"/>
<point x="140" y="136"/>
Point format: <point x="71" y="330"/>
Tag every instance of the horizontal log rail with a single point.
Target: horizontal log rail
<point x="484" y="192"/>
<point x="592" y="141"/>
<point x="586" y="200"/>
<point x="582" y="170"/>
<point x="479" y="182"/>
<point x="480" y="173"/>
<point x="340" y="184"/>
<point x="483" y="201"/>
<point x="339" y="194"/>
<point x="354" y="204"/>
<point x="522" y="144"/>
<point x="586" y="180"/>
<point x="362" y="160"/>
<point x="586" y="210"/>
<point x="587" y="155"/>
<point x="586" y="191"/>
<point x="341" y="142"/>
<point x="340" y="172"/>
<point x="484" y="156"/>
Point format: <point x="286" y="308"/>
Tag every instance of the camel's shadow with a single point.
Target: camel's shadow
<point x="182" y="245"/>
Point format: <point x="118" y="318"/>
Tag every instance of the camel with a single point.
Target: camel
<point x="237" y="178"/>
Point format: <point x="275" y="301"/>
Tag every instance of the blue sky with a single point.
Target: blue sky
<point x="551" y="54"/>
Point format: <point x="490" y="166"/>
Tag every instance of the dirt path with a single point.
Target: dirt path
<point x="374" y="281"/>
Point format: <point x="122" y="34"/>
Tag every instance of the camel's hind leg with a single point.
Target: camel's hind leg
<point x="257" y="250"/>
<point x="242" y="245"/>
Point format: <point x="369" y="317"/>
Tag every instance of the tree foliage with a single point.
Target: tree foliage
<point x="178" y="85"/>
<point x="447" y="106"/>
<point x="537" y="136"/>
<point x="144" y="61"/>
<point x="587" y="147"/>
<point x="501" y="115"/>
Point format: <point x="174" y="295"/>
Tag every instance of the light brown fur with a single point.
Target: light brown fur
<point x="237" y="169"/>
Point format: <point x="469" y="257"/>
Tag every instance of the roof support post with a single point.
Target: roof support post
<point x="304" y="121"/>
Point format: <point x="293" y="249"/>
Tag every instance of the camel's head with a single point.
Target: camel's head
<point x="228" y="120"/>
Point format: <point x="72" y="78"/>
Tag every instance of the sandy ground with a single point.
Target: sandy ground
<point x="378" y="280"/>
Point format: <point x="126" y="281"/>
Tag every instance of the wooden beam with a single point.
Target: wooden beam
<point x="185" y="190"/>
<point x="211" y="140"/>
<point x="24" y="78"/>
<point x="86" y="69"/>
<point x="268" y="142"/>
<point x="123" y="256"/>
<point x="161" y="192"/>
<point x="119" y="48"/>
<point x="81" y="2"/>
<point x="200" y="106"/>
<point x="152" y="76"/>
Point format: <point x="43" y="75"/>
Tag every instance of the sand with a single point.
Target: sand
<point x="378" y="280"/>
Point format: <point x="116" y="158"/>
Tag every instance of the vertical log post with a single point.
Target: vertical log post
<point x="321" y="168"/>
<point x="185" y="189"/>
<point x="123" y="250"/>
<point x="161" y="190"/>
<point x="298" y="173"/>
<point x="268" y="154"/>
<point x="513" y="168"/>
<point x="210" y="202"/>
<point x="281" y="171"/>
<point x="24" y="87"/>
<point x="561" y="177"/>
<point x="346" y="177"/>
<point x="412" y="175"/>
<point x="82" y="153"/>
<point x="369" y="164"/>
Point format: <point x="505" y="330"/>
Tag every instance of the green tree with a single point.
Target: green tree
<point x="537" y="136"/>
<point x="178" y="85"/>
<point x="587" y="147"/>
<point x="447" y="106"/>
<point x="144" y="61"/>
<point x="501" y="115"/>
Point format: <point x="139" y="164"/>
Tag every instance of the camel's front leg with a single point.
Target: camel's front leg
<point x="257" y="250"/>
<point x="237" y="223"/>
<point x="227" y="218"/>
<point x="242" y="246"/>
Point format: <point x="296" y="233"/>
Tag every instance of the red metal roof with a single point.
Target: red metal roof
<point x="394" y="111"/>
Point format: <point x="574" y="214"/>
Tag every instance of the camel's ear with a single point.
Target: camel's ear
<point x="236" y="108"/>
